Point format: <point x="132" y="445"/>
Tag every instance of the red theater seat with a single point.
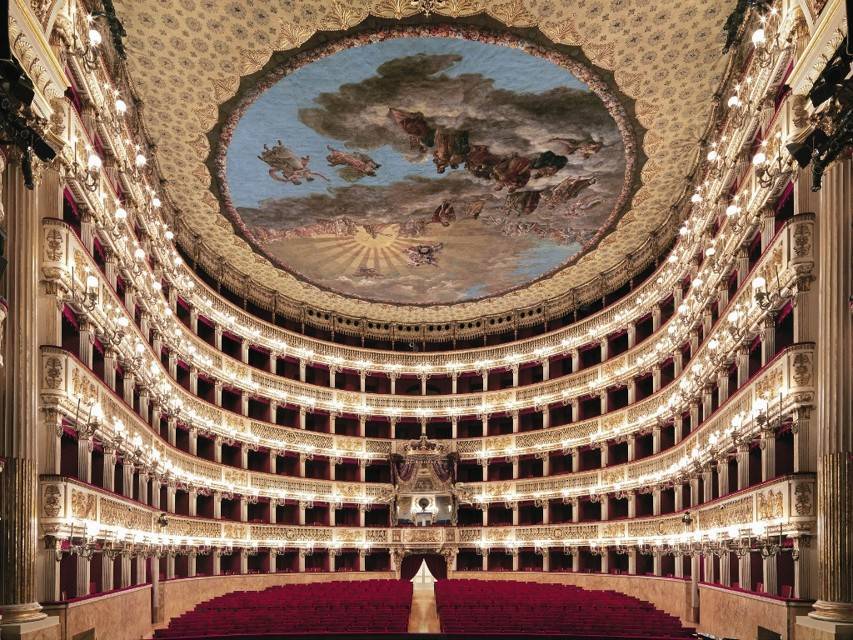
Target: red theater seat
<point x="368" y="606"/>
<point x="511" y="607"/>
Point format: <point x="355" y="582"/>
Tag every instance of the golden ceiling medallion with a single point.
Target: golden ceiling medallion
<point x="428" y="6"/>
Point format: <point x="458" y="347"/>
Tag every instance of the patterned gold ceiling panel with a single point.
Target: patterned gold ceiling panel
<point x="187" y="58"/>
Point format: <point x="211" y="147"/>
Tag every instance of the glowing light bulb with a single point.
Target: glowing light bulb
<point x="95" y="38"/>
<point x="713" y="155"/>
<point x="759" y="159"/>
<point x="121" y="106"/>
<point x="121" y="213"/>
<point x="759" y="37"/>
<point x="732" y="210"/>
<point x="94" y="162"/>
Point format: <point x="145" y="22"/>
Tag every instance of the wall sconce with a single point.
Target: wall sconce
<point x="88" y="297"/>
<point x="93" y="170"/>
<point x="138" y="261"/>
<point x="767" y="171"/>
<point x="768" y="424"/>
<point x="113" y="335"/>
<point x="87" y="545"/>
<point x="764" y="47"/>
<point x="718" y="163"/>
<point x="769" y="299"/>
<point x="139" y="162"/>
<point x="739" y="111"/>
<point x="119" y="219"/>
<point x="95" y="417"/>
<point x="88" y="53"/>
<point x="737" y="325"/>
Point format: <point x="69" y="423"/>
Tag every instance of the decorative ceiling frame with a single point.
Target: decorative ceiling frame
<point x="282" y="64"/>
<point x="182" y="106"/>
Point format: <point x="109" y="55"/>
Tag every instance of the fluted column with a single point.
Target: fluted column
<point x="768" y="338"/>
<point x="125" y="571"/>
<point x="722" y="477"/>
<point x="19" y="534"/>
<point x="107" y="570"/>
<point x="109" y="469"/>
<point x="834" y="397"/>
<point x="82" y="576"/>
<point x="742" y="457"/>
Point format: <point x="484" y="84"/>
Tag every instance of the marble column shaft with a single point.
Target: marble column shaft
<point x="834" y="396"/>
<point x="20" y="535"/>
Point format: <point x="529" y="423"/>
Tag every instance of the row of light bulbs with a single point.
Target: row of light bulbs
<point x="675" y="332"/>
<point x="139" y="254"/>
<point x="120" y="108"/>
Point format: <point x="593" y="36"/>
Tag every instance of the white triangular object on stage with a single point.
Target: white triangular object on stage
<point x="423" y="576"/>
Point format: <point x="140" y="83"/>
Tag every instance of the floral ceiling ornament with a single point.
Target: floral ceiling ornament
<point x="265" y="24"/>
<point x="428" y="6"/>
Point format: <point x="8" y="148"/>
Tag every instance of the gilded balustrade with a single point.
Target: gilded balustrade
<point x="66" y="384"/>
<point x="791" y="373"/>
<point x="786" y="504"/>
<point x="786" y="261"/>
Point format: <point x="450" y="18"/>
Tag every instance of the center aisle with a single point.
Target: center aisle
<point x="424" y="615"/>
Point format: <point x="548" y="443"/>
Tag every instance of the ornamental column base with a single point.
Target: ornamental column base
<point x="43" y="629"/>
<point x="17" y="614"/>
<point x="836" y="612"/>
<point x="811" y="628"/>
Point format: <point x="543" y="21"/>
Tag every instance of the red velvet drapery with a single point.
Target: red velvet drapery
<point x="435" y="563"/>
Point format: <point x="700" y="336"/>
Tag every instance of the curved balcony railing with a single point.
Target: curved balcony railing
<point x="786" y="384"/>
<point x="73" y="505"/>
<point x="786" y="261"/>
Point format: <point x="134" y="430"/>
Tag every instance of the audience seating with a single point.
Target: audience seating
<point x="474" y="607"/>
<point x="369" y="606"/>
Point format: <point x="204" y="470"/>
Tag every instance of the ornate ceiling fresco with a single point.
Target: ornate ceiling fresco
<point x="420" y="168"/>
<point x="379" y="170"/>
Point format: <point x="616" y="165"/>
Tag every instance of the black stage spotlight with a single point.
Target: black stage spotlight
<point x="802" y="151"/>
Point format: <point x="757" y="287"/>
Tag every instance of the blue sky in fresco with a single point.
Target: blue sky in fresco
<point x="275" y="114"/>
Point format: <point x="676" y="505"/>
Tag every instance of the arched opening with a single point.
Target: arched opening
<point x="435" y="563"/>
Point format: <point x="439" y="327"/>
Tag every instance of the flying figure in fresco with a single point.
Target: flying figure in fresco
<point x="523" y="203"/>
<point x="360" y="163"/>
<point x="451" y="149"/>
<point x="512" y="172"/>
<point x="569" y="188"/>
<point x="421" y="135"/>
<point x="421" y="254"/>
<point x="444" y="214"/>
<point x="586" y="147"/>
<point x="286" y="166"/>
<point x="547" y="164"/>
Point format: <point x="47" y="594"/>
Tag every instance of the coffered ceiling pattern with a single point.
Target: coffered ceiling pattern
<point x="186" y="58"/>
